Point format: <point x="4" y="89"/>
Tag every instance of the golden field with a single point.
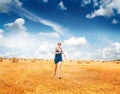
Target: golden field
<point x="26" y="76"/>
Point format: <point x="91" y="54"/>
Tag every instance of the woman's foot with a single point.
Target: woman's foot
<point x="54" y="74"/>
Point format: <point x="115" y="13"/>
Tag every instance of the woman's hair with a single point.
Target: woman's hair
<point x="59" y="43"/>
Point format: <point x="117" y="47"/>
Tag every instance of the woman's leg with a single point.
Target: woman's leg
<point x="59" y="70"/>
<point x="55" y="69"/>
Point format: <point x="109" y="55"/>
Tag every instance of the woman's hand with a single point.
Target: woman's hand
<point x="64" y="55"/>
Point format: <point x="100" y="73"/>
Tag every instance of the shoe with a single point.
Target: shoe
<point x="59" y="77"/>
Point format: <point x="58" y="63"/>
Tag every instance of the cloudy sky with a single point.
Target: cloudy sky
<point x="88" y="29"/>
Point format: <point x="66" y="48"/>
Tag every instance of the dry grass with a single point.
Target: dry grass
<point x="81" y="77"/>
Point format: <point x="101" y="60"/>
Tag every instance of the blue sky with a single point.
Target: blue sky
<point x="88" y="29"/>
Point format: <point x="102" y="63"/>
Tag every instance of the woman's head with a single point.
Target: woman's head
<point x="59" y="43"/>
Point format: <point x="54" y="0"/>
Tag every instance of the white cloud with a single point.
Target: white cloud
<point x="62" y="6"/>
<point x="76" y="41"/>
<point x="106" y="9"/>
<point x="46" y="50"/>
<point x="117" y="45"/>
<point x="18" y="54"/>
<point x="101" y="12"/>
<point x="1" y="33"/>
<point x="58" y="28"/>
<point x="76" y="48"/>
<point x="95" y="2"/>
<point x="114" y="21"/>
<point x="20" y="21"/>
<point x="17" y="27"/>
<point x="17" y="37"/>
<point x="82" y="49"/>
<point x="17" y="2"/>
<point x="8" y="54"/>
<point x="85" y="2"/>
<point x="4" y="5"/>
<point x="15" y="43"/>
<point x="45" y="1"/>
<point x="24" y="13"/>
<point x="112" y="52"/>
<point x="21" y="45"/>
<point x="17" y="40"/>
<point x="50" y="34"/>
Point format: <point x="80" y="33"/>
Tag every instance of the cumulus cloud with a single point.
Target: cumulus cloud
<point x="20" y="43"/>
<point x="62" y="6"/>
<point x="81" y="48"/>
<point x="17" y="41"/>
<point x="17" y="37"/>
<point x="114" y="21"/>
<point x="76" y="41"/>
<point x="17" y="27"/>
<point x="29" y="46"/>
<point x="45" y="50"/>
<point x="76" y="48"/>
<point x="106" y="9"/>
<point x="101" y="12"/>
<point x="112" y="52"/>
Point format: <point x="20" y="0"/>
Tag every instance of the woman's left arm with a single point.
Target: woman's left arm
<point x="63" y="53"/>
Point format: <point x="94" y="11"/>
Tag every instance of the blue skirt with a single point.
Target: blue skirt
<point x="58" y="58"/>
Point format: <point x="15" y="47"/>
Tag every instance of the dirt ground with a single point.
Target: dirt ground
<point x="78" y="77"/>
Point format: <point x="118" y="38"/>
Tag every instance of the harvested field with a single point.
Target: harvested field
<point x="78" y="77"/>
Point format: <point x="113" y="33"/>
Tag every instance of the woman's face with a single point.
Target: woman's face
<point x="59" y="44"/>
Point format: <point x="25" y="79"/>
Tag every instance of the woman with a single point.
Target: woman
<point x="58" y="59"/>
